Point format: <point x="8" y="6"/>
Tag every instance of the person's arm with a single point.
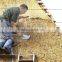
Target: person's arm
<point x="15" y="14"/>
<point x="14" y="17"/>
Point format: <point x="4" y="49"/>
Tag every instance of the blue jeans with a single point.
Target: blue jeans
<point x="2" y="42"/>
<point x="6" y="44"/>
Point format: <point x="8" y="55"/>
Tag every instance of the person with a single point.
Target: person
<point x="9" y="17"/>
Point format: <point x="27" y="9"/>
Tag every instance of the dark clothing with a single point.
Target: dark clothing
<point x="11" y="14"/>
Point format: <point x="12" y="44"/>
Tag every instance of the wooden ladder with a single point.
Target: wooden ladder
<point x="22" y="59"/>
<point x="8" y="56"/>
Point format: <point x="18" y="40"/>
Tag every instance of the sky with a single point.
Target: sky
<point x="55" y="8"/>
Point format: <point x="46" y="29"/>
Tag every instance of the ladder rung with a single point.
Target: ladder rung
<point x="26" y="60"/>
<point x="8" y="55"/>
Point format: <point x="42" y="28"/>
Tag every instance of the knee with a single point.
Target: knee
<point x="2" y="42"/>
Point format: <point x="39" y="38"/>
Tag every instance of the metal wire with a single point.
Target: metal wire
<point x="38" y="9"/>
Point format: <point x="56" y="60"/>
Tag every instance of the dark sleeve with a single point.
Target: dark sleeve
<point x="14" y="17"/>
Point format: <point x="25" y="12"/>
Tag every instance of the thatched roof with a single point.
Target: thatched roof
<point x="34" y="9"/>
